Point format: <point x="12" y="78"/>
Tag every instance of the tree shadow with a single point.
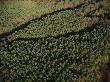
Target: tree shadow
<point x="105" y="77"/>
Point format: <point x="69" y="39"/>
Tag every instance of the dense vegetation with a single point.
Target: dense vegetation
<point x="71" y="58"/>
<point x="51" y="56"/>
<point x="16" y="12"/>
<point x="73" y="19"/>
<point x="58" y="23"/>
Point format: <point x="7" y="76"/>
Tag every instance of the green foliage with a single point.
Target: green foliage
<point x="16" y="12"/>
<point x="72" y="57"/>
<point x="59" y="23"/>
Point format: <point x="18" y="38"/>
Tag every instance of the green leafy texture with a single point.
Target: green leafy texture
<point x="71" y="58"/>
<point x="60" y="23"/>
<point x="16" y="12"/>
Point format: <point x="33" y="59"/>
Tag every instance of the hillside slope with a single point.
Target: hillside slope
<point x="13" y="13"/>
<point x="34" y="53"/>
